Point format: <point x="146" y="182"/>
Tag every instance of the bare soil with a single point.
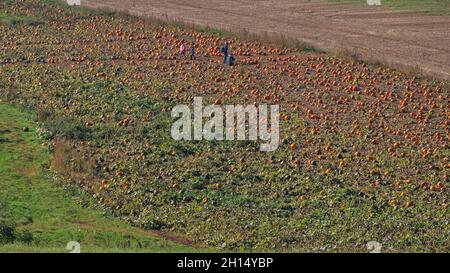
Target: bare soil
<point x="402" y="39"/>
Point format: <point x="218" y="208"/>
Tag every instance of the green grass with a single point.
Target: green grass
<point x="17" y="19"/>
<point x="38" y="215"/>
<point x="432" y="7"/>
<point x="282" y="201"/>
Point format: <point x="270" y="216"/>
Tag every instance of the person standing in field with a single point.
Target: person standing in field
<point x="192" y="56"/>
<point x="231" y="60"/>
<point x="183" y="49"/>
<point x="224" y="50"/>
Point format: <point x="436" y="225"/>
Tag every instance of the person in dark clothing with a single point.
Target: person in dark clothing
<point x="231" y="60"/>
<point x="192" y="56"/>
<point x="224" y="50"/>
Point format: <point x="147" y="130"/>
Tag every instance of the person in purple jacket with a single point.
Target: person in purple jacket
<point x="183" y="49"/>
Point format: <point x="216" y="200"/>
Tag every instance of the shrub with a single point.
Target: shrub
<point x="64" y="127"/>
<point x="7" y="231"/>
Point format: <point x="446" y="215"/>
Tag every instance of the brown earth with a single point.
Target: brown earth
<point x="402" y="39"/>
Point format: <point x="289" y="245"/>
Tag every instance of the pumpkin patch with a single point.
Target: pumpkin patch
<point x="364" y="151"/>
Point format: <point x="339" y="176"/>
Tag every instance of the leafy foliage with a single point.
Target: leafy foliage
<point x="364" y="152"/>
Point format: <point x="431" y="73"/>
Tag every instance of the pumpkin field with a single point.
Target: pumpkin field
<point x="364" y="149"/>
